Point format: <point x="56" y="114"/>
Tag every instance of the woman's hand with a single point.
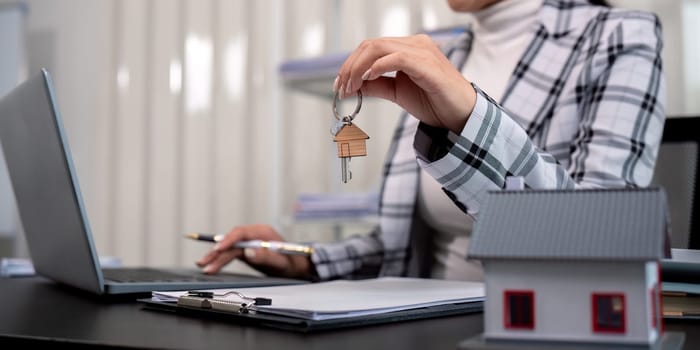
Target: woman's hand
<point x="426" y="85"/>
<point x="263" y="260"/>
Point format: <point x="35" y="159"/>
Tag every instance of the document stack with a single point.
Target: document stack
<point x="336" y="206"/>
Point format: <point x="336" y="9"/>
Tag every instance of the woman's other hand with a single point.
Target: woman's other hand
<point x="264" y="260"/>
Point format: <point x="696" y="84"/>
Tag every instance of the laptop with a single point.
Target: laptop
<point x="51" y="208"/>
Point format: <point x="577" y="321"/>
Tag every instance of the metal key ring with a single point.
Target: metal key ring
<point x="348" y="118"/>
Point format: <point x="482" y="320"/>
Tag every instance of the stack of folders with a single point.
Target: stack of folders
<point x="681" y="284"/>
<point x="336" y="205"/>
<point x="334" y="304"/>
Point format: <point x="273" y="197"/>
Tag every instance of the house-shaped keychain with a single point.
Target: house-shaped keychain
<point x="351" y="141"/>
<point x="576" y="269"/>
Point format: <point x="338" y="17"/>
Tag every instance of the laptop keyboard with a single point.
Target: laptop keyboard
<point x="152" y="275"/>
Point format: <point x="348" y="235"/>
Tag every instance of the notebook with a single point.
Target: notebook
<point x="52" y="212"/>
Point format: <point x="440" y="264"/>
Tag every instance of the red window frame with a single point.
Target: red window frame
<point x="596" y="299"/>
<point x="527" y="296"/>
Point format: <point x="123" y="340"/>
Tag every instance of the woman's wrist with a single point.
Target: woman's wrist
<point x="457" y="123"/>
<point x="304" y="268"/>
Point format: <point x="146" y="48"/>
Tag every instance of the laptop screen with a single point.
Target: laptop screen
<point x="46" y="187"/>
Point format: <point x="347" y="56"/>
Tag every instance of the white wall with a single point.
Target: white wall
<point x="178" y="121"/>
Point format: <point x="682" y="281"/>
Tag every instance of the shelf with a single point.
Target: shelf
<point x="312" y="75"/>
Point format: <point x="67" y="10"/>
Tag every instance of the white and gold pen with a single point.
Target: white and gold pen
<point x="277" y="246"/>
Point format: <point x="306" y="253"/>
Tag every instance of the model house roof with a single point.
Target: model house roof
<point x="349" y="133"/>
<point x="613" y="224"/>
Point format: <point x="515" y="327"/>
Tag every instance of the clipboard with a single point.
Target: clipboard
<point x="310" y="326"/>
<point x="314" y="307"/>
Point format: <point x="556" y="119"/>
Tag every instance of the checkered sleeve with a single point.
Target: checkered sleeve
<point x="618" y="108"/>
<point x="622" y="108"/>
<point x="355" y="258"/>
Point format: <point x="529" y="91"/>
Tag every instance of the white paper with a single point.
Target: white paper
<point x="345" y="298"/>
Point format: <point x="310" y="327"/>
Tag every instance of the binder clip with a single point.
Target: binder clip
<point x="211" y="300"/>
<point x="207" y="294"/>
<point x="204" y="303"/>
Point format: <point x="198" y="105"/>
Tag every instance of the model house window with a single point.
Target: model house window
<point x="519" y="307"/>
<point x="609" y="313"/>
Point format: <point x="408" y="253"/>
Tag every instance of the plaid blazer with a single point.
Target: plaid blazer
<point x="584" y="108"/>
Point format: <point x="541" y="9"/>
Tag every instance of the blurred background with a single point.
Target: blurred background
<point x="181" y="117"/>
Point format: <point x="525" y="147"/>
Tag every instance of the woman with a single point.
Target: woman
<point x="581" y="105"/>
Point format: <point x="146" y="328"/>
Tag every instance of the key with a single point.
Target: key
<point x="351" y="142"/>
<point x="350" y="139"/>
<point x="345" y="172"/>
<point x="344" y="161"/>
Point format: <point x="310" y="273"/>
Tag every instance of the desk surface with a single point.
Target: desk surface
<point x="34" y="309"/>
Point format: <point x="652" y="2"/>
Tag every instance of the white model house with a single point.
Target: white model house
<point x="572" y="266"/>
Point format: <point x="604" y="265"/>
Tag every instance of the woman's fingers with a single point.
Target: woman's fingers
<point x="356" y="65"/>
<point x="417" y="57"/>
<point x="221" y="259"/>
<point x="421" y="67"/>
<point x="224" y="251"/>
<point x="382" y="87"/>
<point x="248" y="232"/>
<point x="264" y="258"/>
<point x="426" y="84"/>
<point x="203" y="261"/>
<point x="272" y="263"/>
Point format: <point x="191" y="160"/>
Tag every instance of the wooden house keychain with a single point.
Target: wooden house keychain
<point x="349" y="138"/>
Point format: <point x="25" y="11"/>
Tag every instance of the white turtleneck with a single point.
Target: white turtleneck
<point x="501" y="35"/>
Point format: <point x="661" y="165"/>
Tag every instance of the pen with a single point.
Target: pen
<point x="278" y="246"/>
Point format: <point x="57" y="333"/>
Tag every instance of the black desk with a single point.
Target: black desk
<point x="34" y="310"/>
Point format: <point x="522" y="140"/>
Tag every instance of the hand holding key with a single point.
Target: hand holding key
<point x="350" y="138"/>
<point x="425" y="84"/>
